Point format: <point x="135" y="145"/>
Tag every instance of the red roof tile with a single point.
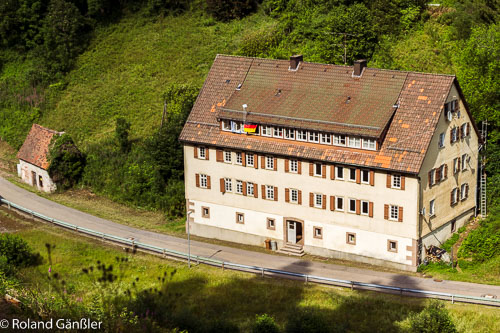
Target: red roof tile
<point x="36" y="146"/>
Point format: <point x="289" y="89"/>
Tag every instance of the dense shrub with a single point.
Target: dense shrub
<point x="307" y="322"/>
<point x="17" y="252"/>
<point x="265" y="324"/>
<point x="67" y="163"/>
<point x="226" y="10"/>
<point x="434" y="318"/>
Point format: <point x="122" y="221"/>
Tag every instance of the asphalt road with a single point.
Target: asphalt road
<point x="49" y="208"/>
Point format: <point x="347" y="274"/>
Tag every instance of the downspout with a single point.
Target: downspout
<point x="420" y="218"/>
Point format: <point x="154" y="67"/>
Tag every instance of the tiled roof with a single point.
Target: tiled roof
<point x="36" y="146"/>
<point x="411" y="126"/>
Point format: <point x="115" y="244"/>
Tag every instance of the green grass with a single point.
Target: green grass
<point x="209" y="293"/>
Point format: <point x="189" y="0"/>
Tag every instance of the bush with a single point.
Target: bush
<point x="67" y="163"/>
<point x="307" y="322"/>
<point x="265" y="324"/>
<point x="226" y="10"/>
<point x="483" y="243"/>
<point x="17" y="252"/>
<point x="434" y="318"/>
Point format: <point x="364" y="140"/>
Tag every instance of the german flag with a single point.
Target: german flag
<point x="249" y="128"/>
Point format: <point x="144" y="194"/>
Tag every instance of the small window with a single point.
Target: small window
<point x="40" y="181"/>
<point x="326" y="139"/>
<point x="432" y="177"/>
<point x="239" y="187"/>
<point x="454" y="196"/>
<point x="226" y="125"/>
<point x="464" y="162"/>
<point x="394" y="212"/>
<point x="203" y="181"/>
<point x="301" y="135"/>
<point x="269" y="192"/>
<point x="339" y="140"/>
<point x="294" y="196"/>
<point x="352" y="206"/>
<point x="227" y="156"/>
<point x="454" y="134"/>
<point x="235" y="127"/>
<point x="278" y="132"/>
<point x="271" y="224"/>
<point x="369" y="144"/>
<point x="250" y="191"/>
<point x="228" y="184"/>
<point x="465" y="131"/>
<point x="351" y="238"/>
<point x="318" y="232"/>
<point x="202" y="153"/>
<point x="441" y="140"/>
<point x="340" y="203"/>
<point x="464" y="188"/>
<point x="289" y="134"/>
<point x="250" y="161"/>
<point x="392" y="246"/>
<point x="269" y="163"/>
<point x="365" y="176"/>
<point x="205" y="212"/>
<point x="432" y="207"/>
<point x="442" y="172"/>
<point x="318" y="169"/>
<point x="456" y="165"/>
<point x="396" y="181"/>
<point x="239" y="159"/>
<point x="294" y="166"/>
<point x="240" y="218"/>
<point x="339" y="172"/>
<point x="354" y="142"/>
<point x="352" y="174"/>
<point x="267" y="131"/>
<point x="364" y="207"/>
<point x="318" y="200"/>
<point x="313" y="137"/>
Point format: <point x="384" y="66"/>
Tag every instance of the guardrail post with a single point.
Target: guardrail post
<point x="452" y="299"/>
<point x="307" y="278"/>
<point x="8" y="204"/>
<point x="352" y="286"/>
<point x="223" y="265"/>
<point x="197" y="260"/>
<point x="262" y="271"/>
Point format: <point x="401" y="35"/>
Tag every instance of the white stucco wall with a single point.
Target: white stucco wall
<point x="27" y="170"/>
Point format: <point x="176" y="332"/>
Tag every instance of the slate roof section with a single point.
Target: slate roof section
<point x="421" y="98"/>
<point x="36" y="146"/>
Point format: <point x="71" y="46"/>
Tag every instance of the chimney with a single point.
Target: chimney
<point x="294" y="62"/>
<point x="358" y="67"/>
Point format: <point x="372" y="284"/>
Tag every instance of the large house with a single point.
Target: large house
<point x="33" y="162"/>
<point x="347" y="162"/>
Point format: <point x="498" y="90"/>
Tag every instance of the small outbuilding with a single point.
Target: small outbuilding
<point x="33" y="158"/>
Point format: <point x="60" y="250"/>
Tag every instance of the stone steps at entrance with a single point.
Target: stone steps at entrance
<point x="292" y="250"/>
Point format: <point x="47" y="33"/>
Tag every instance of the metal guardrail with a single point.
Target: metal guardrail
<point x="255" y="269"/>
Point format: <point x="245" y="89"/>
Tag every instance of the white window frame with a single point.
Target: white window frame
<point x="227" y="156"/>
<point x="464" y="162"/>
<point x="350" y="174"/>
<point x="363" y="202"/>
<point x="278" y="132"/>
<point x="337" y="206"/>
<point x="289" y="134"/>
<point x="294" y="166"/>
<point x="442" y="137"/>
<point x="369" y="144"/>
<point x="228" y="185"/>
<point x="456" y="166"/>
<point x="318" y="234"/>
<point x="249" y="160"/>
<point x="318" y="200"/>
<point x="454" y="134"/>
<point x="226" y="125"/>
<point x="433" y="177"/>
<point x="462" y="191"/>
<point x="349" y="210"/>
<point x="269" y="163"/>
<point x="239" y="159"/>
<point x="341" y="170"/>
<point x="269" y="192"/>
<point x="393" y="212"/>
<point x="354" y="142"/>
<point x="250" y="189"/>
<point x="339" y="140"/>
<point x="396" y="181"/>
<point x="325" y="138"/>
<point x="365" y="172"/>
<point x="240" y="218"/>
<point x="267" y="131"/>
<point x="294" y="195"/>
<point x="302" y="135"/>
<point x="432" y="207"/>
<point x="313" y="136"/>
<point x="464" y="130"/>
<point x="203" y="181"/>
<point x="236" y="126"/>
<point x="315" y="169"/>
<point x="454" y="196"/>
<point x="239" y="187"/>
<point x="389" y="246"/>
<point x="202" y="153"/>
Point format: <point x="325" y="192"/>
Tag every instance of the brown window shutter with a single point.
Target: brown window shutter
<point x="466" y="190"/>
<point x="468" y="129"/>
<point x="262" y="162"/>
<point x="275" y="193"/>
<point x="400" y="215"/>
<point x="372" y="178"/>
<point x="358" y="207"/>
<point x="255" y="191"/>
<point x="197" y="180"/>
<point x="388" y="184"/>
<point x="311" y="167"/>
<point x="275" y="164"/>
<point x="451" y="198"/>
<point x="300" y="167"/>
<point x="195" y="152"/>
<point x="451" y="135"/>
<point x="300" y="197"/>
<point x="324" y="201"/>
<point x="209" y="183"/>
<point x="222" y="187"/>
<point x="402" y="182"/>
<point x="429" y="178"/>
<point x="263" y="188"/>
<point x="458" y="194"/>
<point x="459" y="166"/>
<point x="370" y="209"/>
<point x="244" y="188"/>
<point x="311" y="199"/>
<point x="332" y="202"/>
<point x="460" y="132"/>
<point x="287" y="195"/>
<point x="386" y="212"/>
<point x="207" y="150"/>
<point x="287" y="165"/>
<point x="332" y="172"/>
<point x="446" y="171"/>
<point x="323" y="171"/>
<point x="256" y="161"/>
<point x="243" y="159"/>
<point x="218" y="156"/>
<point x="437" y="175"/>
<point x="358" y="176"/>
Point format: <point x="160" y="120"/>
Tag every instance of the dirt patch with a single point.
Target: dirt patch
<point x="10" y="221"/>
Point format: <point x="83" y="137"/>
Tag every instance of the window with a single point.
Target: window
<point x="352" y="206"/>
<point x="454" y="196"/>
<point x="464" y="162"/>
<point x="465" y="130"/>
<point x="203" y="181"/>
<point x="318" y="168"/>
<point x="441" y="140"/>
<point x="205" y="212"/>
<point x="228" y="185"/>
<point x="354" y="142"/>
<point x="249" y="158"/>
<point x="301" y="135"/>
<point x="318" y="200"/>
<point x="454" y="134"/>
<point x="227" y="156"/>
<point x="294" y="196"/>
<point x="313" y="137"/>
<point x="269" y="163"/>
<point x="271" y="225"/>
<point x="365" y="176"/>
<point x="226" y="125"/>
<point x="370" y="144"/>
<point x="240" y="218"/>
<point x="202" y="153"/>
<point x="442" y="172"/>
<point x="352" y="174"/>
<point x="364" y="207"/>
<point x="432" y="207"/>
<point x="394" y="213"/>
<point x="239" y="187"/>
<point x="269" y="192"/>
<point x="278" y="132"/>
<point x="40" y="181"/>
<point x="432" y="177"/>
<point x="464" y="191"/>
<point x="326" y="139"/>
<point x="350" y="238"/>
<point x="294" y="166"/>
<point x="250" y="191"/>
<point x="239" y="159"/>
<point x="456" y="165"/>
<point x="392" y="246"/>
<point x="339" y="140"/>
<point x="396" y="181"/>
<point x="289" y="134"/>
<point x="318" y="232"/>
<point x="339" y="172"/>
<point x="340" y="204"/>
<point x="267" y="131"/>
<point x="235" y="127"/>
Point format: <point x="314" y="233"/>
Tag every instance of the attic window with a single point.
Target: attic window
<point x="278" y="93"/>
<point x="348" y="99"/>
<point x="238" y="87"/>
<point x="227" y="81"/>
